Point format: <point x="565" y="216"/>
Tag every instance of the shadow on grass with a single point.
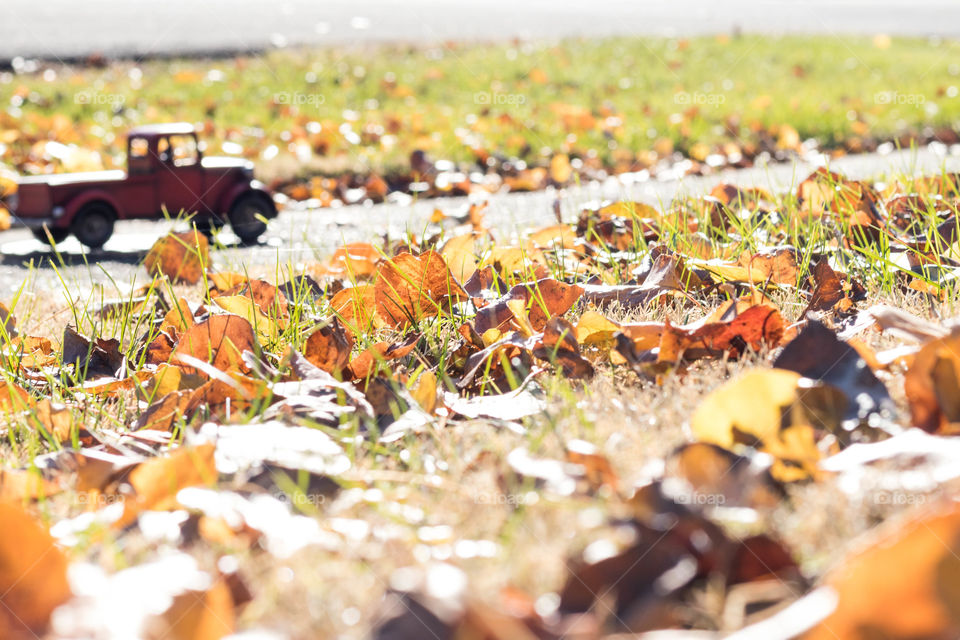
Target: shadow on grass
<point x="72" y="254"/>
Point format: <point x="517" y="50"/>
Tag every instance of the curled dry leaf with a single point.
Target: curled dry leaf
<point x="558" y="345"/>
<point x="818" y="354"/>
<point x="181" y="257"/>
<point x="831" y="292"/>
<point x="91" y="358"/>
<point x="730" y="330"/>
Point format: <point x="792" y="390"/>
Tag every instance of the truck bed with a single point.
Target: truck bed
<point x="58" y="179"/>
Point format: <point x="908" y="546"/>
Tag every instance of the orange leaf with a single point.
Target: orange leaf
<point x="219" y="340"/>
<point x="179" y="256"/>
<point x="409" y="288"/>
<point x="329" y="348"/>
<point x="157" y="481"/>
<point x="33" y="575"/>
<point x="905" y="585"/>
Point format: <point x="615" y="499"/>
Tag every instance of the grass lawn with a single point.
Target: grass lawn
<point x="612" y="105"/>
<point x="513" y="438"/>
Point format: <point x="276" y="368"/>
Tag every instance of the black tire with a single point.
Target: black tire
<point x="210" y="225"/>
<point x="56" y="235"/>
<point x="93" y="224"/>
<point x="248" y="214"/>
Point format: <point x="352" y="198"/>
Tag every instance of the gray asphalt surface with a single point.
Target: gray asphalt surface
<point x="300" y="236"/>
<point x="67" y="28"/>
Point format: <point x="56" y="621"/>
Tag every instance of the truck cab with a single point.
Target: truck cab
<point x="167" y="175"/>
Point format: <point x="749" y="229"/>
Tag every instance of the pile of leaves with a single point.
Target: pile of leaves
<point x="225" y="391"/>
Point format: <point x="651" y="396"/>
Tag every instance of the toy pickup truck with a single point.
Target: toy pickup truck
<point x="166" y="174"/>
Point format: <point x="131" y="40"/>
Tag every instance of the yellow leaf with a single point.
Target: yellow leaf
<point x="245" y="307"/>
<point x="751" y="410"/>
<point x="424" y="391"/>
<point x="595" y="328"/>
<point x="458" y="254"/>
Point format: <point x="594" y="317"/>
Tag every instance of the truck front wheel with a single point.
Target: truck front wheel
<point x="56" y="235"/>
<point x="93" y="224"/>
<point x="248" y="216"/>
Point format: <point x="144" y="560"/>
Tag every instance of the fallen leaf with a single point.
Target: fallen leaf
<point x="181" y="257"/>
<point x="922" y="602"/>
<point x="329" y="347"/>
<point x="932" y="385"/>
<point x="155" y="482"/>
<point x="409" y="288"/>
<point x="33" y="575"/>
<point x="761" y="408"/>
<point x="219" y="340"/>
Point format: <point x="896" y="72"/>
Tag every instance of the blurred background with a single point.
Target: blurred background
<point x="65" y="28"/>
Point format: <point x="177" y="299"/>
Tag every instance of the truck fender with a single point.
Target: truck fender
<point x="87" y="197"/>
<point x="235" y="192"/>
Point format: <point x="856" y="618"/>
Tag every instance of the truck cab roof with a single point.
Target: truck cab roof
<point x="167" y="129"/>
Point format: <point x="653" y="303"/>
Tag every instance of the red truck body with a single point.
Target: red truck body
<point x="166" y="175"/>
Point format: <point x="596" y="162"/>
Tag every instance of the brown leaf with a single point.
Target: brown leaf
<point x="272" y="302"/>
<point x="830" y="292"/>
<point x="351" y="261"/>
<point x="719" y="477"/>
<point x="91" y="359"/>
<point x="365" y="363"/>
<point x="755" y="327"/>
<point x="13" y="397"/>
<point x="219" y="340"/>
<point x="559" y="345"/>
<point x="179" y="256"/>
<point x="409" y="288"/>
<point x="329" y="348"/>
<point x="198" y="615"/>
<point x="599" y="472"/>
<point x="818" y="354"/>
<point x="356" y="307"/>
<point x="543" y="299"/>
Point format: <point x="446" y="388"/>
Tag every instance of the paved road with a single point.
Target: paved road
<point x="299" y="236"/>
<point x="72" y="28"/>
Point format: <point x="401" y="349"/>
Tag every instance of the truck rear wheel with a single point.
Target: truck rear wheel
<point x="56" y="235"/>
<point x="248" y="215"/>
<point x="93" y="224"/>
